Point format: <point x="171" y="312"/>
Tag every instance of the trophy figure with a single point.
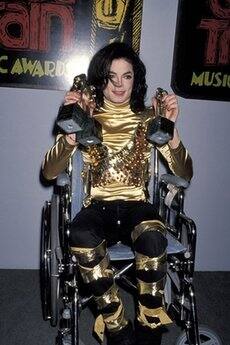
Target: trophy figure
<point x="160" y="129"/>
<point x="74" y="119"/>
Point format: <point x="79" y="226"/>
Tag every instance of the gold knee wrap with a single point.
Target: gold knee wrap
<point x="146" y="263"/>
<point x="147" y="225"/>
<point x="99" y="271"/>
<point x="86" y="255"/>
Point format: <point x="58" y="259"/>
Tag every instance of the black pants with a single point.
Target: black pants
<point x="114" y="221"/>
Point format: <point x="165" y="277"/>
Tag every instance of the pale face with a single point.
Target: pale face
<point x="120" y="84"/>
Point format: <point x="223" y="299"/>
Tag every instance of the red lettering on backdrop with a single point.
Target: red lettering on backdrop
<point x="64" y="2"/>
<point x="17" y="14"/>
<point x="35" y="24"/>
<point x="218" y="35"/>
<point x="218" y="10"/>
<point x="65" y="14"/>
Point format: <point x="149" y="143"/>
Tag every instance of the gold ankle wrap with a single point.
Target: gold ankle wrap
<point x="112" y="321"/>
<point x="155" y="289"/>
<point x="86" y="255"/>
<point x="147" y="225"/>
<point x="146" y="263"/>
<point x="160" y="313"/>
<point x="116" y="321"/>
<point x="97" y="272"/>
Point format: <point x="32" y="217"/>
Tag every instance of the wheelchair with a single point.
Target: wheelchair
<point x="64" y="297"/>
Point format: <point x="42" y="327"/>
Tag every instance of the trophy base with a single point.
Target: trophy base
<point x="91" y="133"/>
<point x="88" y="141"/>
<point x="71" y="118"/>
<point x="69" y="126"/>
<point x="160" y="130"/>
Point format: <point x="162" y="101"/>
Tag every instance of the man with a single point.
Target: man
<point x="117" y="207"/>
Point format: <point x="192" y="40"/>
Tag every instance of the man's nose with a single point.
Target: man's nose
<point x="118" y="82"/>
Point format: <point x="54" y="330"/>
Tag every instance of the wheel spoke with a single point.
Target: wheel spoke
<point x="209" y="342"/>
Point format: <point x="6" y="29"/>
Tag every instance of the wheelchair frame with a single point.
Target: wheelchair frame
<point x="62" y="300"/>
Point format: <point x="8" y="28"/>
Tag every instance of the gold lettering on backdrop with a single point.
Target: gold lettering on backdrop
<point x="38" y="70"/>
<point x="35" y="68"/>
<point x="2" y="69"/>
<point x="118" y="20"/>
<point x="27" y="66"/>
<point x="17" y="67"/>
<point x="50" y="68"/>
<point x="110" y="14"/>
<point x="207" y="78"/>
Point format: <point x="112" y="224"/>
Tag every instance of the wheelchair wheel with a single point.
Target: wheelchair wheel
<point x="206" y="336"/>
<point x="49" y="265"/>
<point x="45" y="261"/>
<point x="54" y="274"/>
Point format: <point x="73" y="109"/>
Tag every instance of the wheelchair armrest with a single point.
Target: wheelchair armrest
<point x="176" y="181"/>
<point x="63" y="180"/>
<point x="172" y="189"/>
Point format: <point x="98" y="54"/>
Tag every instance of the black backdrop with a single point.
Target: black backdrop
<point x="201" y="53"/>
<point x="41" y="41"/>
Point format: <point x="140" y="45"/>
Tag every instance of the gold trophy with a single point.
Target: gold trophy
<point x="74" y="119"/>
<point x="160" y="129"/>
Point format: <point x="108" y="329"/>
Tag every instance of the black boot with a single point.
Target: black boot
<point x="126" y="336"/>
<point x="148" y="336"/>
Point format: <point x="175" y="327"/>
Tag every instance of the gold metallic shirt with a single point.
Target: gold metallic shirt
<point x="119" y="165"/>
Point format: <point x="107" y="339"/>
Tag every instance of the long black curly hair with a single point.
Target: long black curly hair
<point x="99" y="68"/>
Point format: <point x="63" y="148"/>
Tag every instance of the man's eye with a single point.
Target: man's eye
<point x="111" y="76"/>
<point x="129" y="76"/>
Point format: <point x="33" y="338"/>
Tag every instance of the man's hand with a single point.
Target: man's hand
<point x="85" y="102"/>
<point x="72" y="97"/>
<point x="171" y="106"/>
<point x="171" y="113"/>
<point x="71" y="138"/>
<point x="83" y="99"/>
